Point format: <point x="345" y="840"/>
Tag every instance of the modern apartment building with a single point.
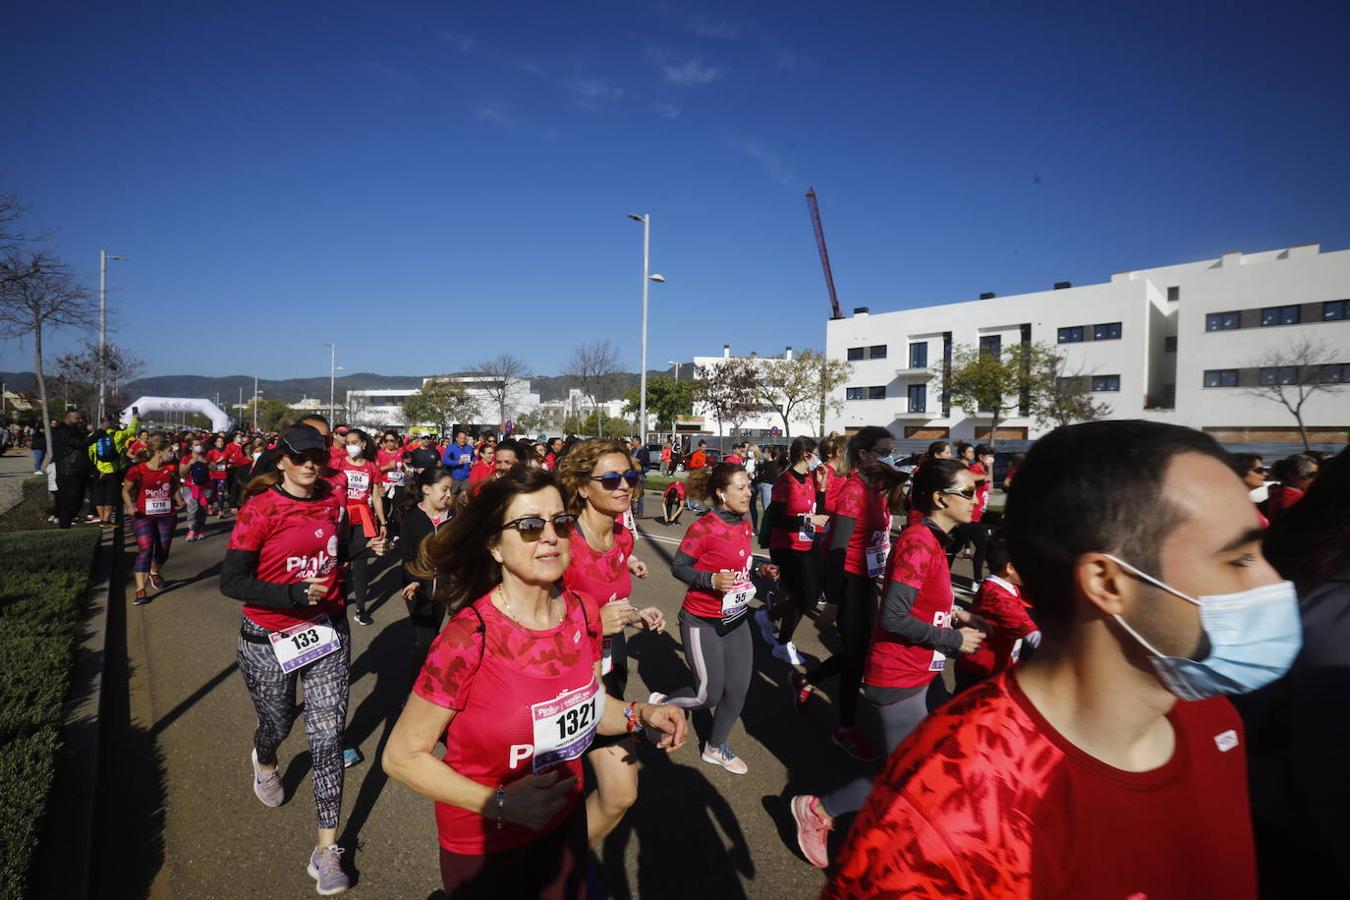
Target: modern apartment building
<point x="383" y="407"/>
<point x="1181" y="343"/>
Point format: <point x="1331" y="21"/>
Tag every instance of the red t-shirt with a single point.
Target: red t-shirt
<point x="872" y="519"/>
<point x="295" y="538"/>
<point x="918" y="560"/>
<point x="492" y="681"/>
<point x="134" y="448"/>
<point x="981" y="492"/>
<point x="153" y="489"/>
<point x="677" y="489"/>
<point x="601" y="576"/>
<point x="219" y="461"/>
<point x="481" y="471"/>
<point x="361" y="479"/>
<point x="716" y="545"/>
<point x="387" y="457"/>
<point x="797" y="494"/>
<point x="986" y="799"/>
<point x="1001" y="605"/>
<point x="1279" y="499"/>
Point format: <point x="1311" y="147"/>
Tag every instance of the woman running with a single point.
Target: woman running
<point x="150" y="495"/>
<point x="796" y="515"/>
<point x="860" y="539"/>
<point x="911" y="640"/>
<point x="716" y="561"/>
<point x="365" y="510"/>
<point x="195" y="472"/>
<point x="282" y="563"/>
<point x="512" y="685"/>
<point x="599" y="477"/>
<point x="422" y="518"/>
<point x="218" y="457"/>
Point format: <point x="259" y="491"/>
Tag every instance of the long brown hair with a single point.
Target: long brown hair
<point x="457" y="555"/>
<point x="574" y="470"/>
<point x="707" y="481"/>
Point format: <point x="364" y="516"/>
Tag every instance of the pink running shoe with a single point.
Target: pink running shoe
<point x="813" y="831"/>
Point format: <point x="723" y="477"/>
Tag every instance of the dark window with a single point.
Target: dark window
<point x="1336" y="373"/>
<point x="991" y="344"/>
<point x="1221" y="378"/>
<point x="1335" y="310"/>
<point x="877" y="392"/>
<point x="1223" y="321"/>
<point x="853" y="393"/>
<point x="918" y="398"/>
<point x="918" y="355"/>
<point x="856" y="353"/>
<point x="1174" y="293"/>
<point x="1105" y="383"/>
<point x="1170" y="344"/>
<point x="1071" y="335"/>
<point x="1279" y="375"/>
<point x="1107" y="331"/>
<point x="876" y="351"/>
<point x="1280" y="315"/>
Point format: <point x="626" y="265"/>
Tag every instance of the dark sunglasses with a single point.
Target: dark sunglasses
<point x="968" y="493"/>
<point x="1260" y="470"/>
<point x="610" y="480"/>
<point x="531" y="528"/>
<point x="318" y="457"/>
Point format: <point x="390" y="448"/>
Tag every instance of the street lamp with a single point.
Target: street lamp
<point x="647" y="278"/>
<point x="256" y="392"/>
<point x="103" y="258"/>
<point x="333" y="369"/>
<point x="676" y="365"/>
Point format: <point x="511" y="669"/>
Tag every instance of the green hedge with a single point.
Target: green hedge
<point x="44" y="580"/>
<point x="32" y="510"/>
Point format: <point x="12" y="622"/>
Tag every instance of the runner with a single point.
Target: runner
<point x="195" y="474"/>
<point x="860" y="539"/>
<point x="1013" y="633"/>
<point x="716" y="561"/>
<point x="365" y="509"/>
<point x="512" y="684"/>
<point x="218" y="457"/>
<point x="295" y="627"/>
<point x="422" y="518"/>
<point x="672" y="503"/>
<point x="599" y="477"/>
<point x="484" y="468"/>
<point x="150" y="495"/>
<point x="974" y="534"/>
<point x="458" y="458"/>
<point x="1079" y="774"/>
<point x="911" y="639"/>
<point x="389" y="460"/>
<point x="796" y="515"/>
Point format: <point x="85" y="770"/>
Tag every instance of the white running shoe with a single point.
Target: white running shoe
<point x="788" y="653"/>
<point x="722" y="756"/>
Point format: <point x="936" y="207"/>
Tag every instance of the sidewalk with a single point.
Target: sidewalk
<point x="15" y="467"/>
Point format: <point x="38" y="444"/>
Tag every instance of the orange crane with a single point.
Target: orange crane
<point x="824" y="253"/>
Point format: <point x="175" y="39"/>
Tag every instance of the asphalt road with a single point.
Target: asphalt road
<point x="696" y="830"/>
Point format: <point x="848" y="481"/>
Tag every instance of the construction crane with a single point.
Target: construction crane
<point x="824" y="253"/>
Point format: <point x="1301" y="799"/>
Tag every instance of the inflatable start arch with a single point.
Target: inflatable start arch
<point x="219" y="421"/>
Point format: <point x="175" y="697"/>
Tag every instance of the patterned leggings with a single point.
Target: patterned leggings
<point x="273" y="693"/>
<point x="154" y="535"/>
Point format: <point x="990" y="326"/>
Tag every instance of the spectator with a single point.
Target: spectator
<point x="458" y="457"/>
<point x="71" y="441"/>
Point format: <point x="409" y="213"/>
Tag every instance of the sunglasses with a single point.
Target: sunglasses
<point x="318" y="457"/>
<point x="610" y="480"/>
<point x="1260" y="470"/>
<point x="531" y="528"/>
<point x="968" y="493"/>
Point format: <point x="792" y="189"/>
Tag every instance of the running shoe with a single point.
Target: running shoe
<point x="788" y="653"/>
<point x="363" y="618"/>
<point x="765" y="626"/>
<point x="801" y="692"/>
<point x="722" y="756"/>
<point x="156" y="581"/>
<point x="325" y="867"/>
<point x="267" y="785"/>
<point x="813" y="831"/>
<point x="141" y="599"/>
<point x="854" y="744"/>
<point x="89" y="520"/>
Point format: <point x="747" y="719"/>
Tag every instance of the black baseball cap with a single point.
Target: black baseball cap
<point x="302" y="438"/>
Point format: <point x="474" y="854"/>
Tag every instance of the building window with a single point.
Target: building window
<point x="918" y="355"/>
<point x="876" y="351"/>
<point x="1170" y="344"/>
<point x="1335" y="310"/>
<point x="991" y="344"/>
<point x="918" y="398"/>
<point x="1105" y="383"/>
<point x="1279" y="375"/>
<point x="1223" y="321"/>
<point x="876" y="392"/>
<point x="1072" y="335"/>
<point x="856" y="353"/>
<point x="853" y="393"/>
<point x="1107" y="331"/>
<point x="1215" y="378"/>
<point x="1279" y="315"/>
<point x="1336" y="373"/>
<point x="1174" y="293"/>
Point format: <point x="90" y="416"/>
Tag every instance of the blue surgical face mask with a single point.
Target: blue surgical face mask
<point x="811" y="466"/>
<point x="1254" y="636"/>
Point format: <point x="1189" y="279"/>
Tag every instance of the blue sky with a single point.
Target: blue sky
<point x="432" y="184"/>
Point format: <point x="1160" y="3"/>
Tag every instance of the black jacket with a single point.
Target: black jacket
<point x="70" y="450"/>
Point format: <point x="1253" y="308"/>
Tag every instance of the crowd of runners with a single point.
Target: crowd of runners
<point x="1138" y="579"/>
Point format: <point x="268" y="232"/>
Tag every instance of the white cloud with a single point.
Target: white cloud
<point x="690" y="72"/>
<point x="460" y="42"/>
<point x="712" y="28"/>
<point x="666" y="110"/>
<point x="769" y="161"/>
<point x="595" y="89"/>
<point x="491" y="115"/>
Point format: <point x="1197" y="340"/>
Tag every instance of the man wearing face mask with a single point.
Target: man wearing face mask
<point x="1110" y="765"/>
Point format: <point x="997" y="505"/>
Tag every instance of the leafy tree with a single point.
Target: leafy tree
<point x="273" y="414"/>
<point x="992" y="384"/>
<point x="1293" y="374"/>
<point x="592" y="424"/>
<point x="531" y="422"/>
<point x="667" y="399"/>
<point x="443" y="403"/>
<point x="505" y="374"/>
<point x="802" y="388"/>
<point x="730" y="388"/>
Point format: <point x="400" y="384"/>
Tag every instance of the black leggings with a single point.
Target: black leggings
<point x="427" y="617"/>
<point x="857" y="610"/>
<point x="800" y="574"/>
<point x="977" y="535"/>
<point x="360" y="566"/>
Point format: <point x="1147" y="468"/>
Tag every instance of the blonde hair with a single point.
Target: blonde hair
<point x="574" y="469"/>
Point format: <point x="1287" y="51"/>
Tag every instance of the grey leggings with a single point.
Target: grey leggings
<point x="273" y="694"/>
<point x="898" y="719"/>
<point x="722" y="665"/>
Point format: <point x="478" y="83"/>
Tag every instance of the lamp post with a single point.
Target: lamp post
<point x="646" y="221"/>
<point x="255" y="403"/>
<point x="103" y="258"/>
<point x="333" y="369"/>
<point x="671" y="362"/>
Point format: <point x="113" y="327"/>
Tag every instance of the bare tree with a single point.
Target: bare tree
<point x="78" y="373"/>
<point x="802" y="387"/>
<point x="594" y="366"/>
<point x="1293" y="374"/>
<point x="39" y="293"/>
<point x="730" y="388"/>
<point x="1058" y="396"/>
<point x="505" y="373"/>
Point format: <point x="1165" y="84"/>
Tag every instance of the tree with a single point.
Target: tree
<point x="78" y="374"/>
<point x="989" y="383"/>
<point x="273" y="414"/>
<point x="591" y="424"/>
<point x="1293" y="374"/>
<point x="1060" y="397"/>
<point x="730" y="388"/>
<point x="531" y="422"/>
<point x="443" y="403"/>
<point x="594" y="366"/>
<point x="505" y="373"/>
<point x="803" y="386"/>
<point x="667" y="399"/>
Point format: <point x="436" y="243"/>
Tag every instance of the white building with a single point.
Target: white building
<point x="762" y="424"/>
<point x="1175" y="344"/>
<point x="383" y="407"/>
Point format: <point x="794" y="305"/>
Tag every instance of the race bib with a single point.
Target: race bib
<point x="394" y="477"/>
<point x="158" y="506"/>
<point x="358" y="483"/>
<point x="877" y="549"/>
<point x="737" y="599"/>
<point x="565" y="726"/>
<point x="939" y="661"/>
<point x="301" y="644"/>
